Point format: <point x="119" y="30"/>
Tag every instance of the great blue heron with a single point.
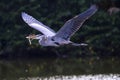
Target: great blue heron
<point x="62" y="37"/>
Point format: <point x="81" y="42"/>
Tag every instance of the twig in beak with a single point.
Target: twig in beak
<point x="29" y="39"/>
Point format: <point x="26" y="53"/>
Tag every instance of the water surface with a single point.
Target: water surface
<point x="60" y="69"/>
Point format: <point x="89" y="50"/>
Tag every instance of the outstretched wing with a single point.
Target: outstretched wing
<point x="37" y="25"/>
<point x="72" y="25"/>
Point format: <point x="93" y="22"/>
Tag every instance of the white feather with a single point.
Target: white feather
<point x="42" y="29"/>
<point x="37" y="25"/>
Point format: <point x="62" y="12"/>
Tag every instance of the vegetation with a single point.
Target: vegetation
<point x="101" y="31"/>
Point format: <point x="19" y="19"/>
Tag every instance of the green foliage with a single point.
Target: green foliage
<point x="101" y="31"/>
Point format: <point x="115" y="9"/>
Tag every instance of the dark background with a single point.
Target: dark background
<point x="101" y="31"/>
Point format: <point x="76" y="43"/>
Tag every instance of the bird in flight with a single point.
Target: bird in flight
<point x="51" y="38"/>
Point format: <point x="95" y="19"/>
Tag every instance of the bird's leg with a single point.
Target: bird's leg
<point x="76" y="44"/>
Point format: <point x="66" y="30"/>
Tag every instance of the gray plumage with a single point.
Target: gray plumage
<point x="62" y="37"/>
<point x="72" y="25"/>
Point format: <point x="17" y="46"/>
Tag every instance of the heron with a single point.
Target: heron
<point x="62" y="37"/>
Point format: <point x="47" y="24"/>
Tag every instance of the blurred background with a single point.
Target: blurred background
<point x="101" y="32"/>
<point x="21" y="61"/>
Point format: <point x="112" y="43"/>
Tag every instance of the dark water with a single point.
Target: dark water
<point x="60" y="69"/>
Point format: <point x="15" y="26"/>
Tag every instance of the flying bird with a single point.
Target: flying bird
<point x="51" y="38"/>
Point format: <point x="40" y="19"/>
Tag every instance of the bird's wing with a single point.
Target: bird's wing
<point x="72" y="25"/>
<point x="37" y="25"/>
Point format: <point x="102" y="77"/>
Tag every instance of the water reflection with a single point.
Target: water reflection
<point x="80" y="77"/>
<point x="57" y="68"/>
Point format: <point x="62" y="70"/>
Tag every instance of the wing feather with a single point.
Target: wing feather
<point x="37" y="25"/>
<point x="72" y="25"/>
